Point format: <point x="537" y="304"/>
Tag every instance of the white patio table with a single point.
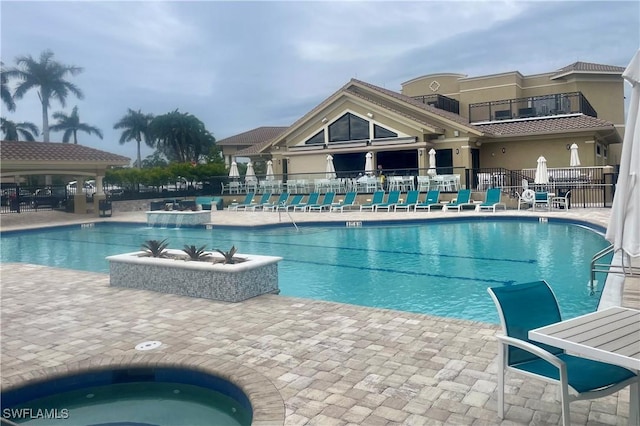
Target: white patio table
<point x="611" y="335"/>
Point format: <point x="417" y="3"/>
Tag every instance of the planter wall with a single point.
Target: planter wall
<point x="230" y="283"/>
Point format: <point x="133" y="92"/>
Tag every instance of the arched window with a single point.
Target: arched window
<point x="348" y="128"/>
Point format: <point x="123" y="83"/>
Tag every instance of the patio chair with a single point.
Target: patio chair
<point x="296" y="200"/>
<point x="326" y="203"/>
<point x="282" y="200"/>
<point x="411" y="201"/>
<point x="527" y="197"/>
<point x="348" y="203"/>
<point x="430" y="201"/>
<point x="312" y="199"/>
<point x="524" y="307"/>
<point x="562" y="200"/>
<point x="378" y="197"/>
<point x="542" y="199"/>
<point x="492" y="200"/>
<point x="247" y="201"/>
<point x="393" y="198"/>
<point x="462" y="199"/>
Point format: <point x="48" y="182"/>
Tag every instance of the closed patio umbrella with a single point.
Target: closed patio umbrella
<point x="542" y="175"/>
<point x="624" y="223"/>
<point x="368" y="163"/>
<point x="574" y="161"/>
<point x="233" y="171"/>
<point x="270" y="175"/>
<point x="251" y="174"/>
<point x="432" y="163"/>
<point x="330" y="170"/>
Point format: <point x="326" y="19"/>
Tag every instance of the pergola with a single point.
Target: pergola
<point x="19" y="159"/>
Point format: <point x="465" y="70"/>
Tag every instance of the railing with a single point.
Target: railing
<point x="608" y="268"/>
<point x="440" y="101"/>
<point x="534" y="106"/>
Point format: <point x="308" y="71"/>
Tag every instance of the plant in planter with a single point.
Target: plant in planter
<point x="229" y="256"/>
<point x="196" y="253"/>
<point x="156" y="248"/>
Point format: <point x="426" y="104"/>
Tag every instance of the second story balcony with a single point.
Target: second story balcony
<point x="534" y="106"/>
<point x="440" y="101"/>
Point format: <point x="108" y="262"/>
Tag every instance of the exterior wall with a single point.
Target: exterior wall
<point x="523" y="154"/>
<point x="449" y="85"/>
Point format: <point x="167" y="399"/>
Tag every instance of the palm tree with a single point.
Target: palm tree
<point x="181" y="137"/>
<point x="136" y="127"/>
<point x="5" y="92"/>
<point x="12" y="131"/>
<point x="70" y="124"/>
<point x="48" y="77"/>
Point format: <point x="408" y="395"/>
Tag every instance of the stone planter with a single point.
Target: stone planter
<point x="229" y="283"/>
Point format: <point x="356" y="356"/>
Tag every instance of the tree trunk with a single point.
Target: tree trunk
<point x="45" y="122"/>
<point x="139" y="159"/>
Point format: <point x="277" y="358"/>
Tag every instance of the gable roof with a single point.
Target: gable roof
<point x="563" y="124"/>
<point x="252" y="137"/>
<point x="57" y="152"/>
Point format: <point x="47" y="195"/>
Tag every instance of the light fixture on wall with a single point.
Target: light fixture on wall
<point x="324" y="120"/>
<point x="478" y="143"/>
<point x="457" y="151"/>
<point x="504" y="150"/>
<point x="370" y="114"/>
<point x="568" y="147"/>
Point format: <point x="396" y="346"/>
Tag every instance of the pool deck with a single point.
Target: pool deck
<point x="316" y="363"/>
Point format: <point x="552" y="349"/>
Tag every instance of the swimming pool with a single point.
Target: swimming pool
<point x="434" y="267"/>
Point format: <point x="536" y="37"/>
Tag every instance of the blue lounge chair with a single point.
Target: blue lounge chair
<point x="393" y="198"/>
<point x="247" y="201"/>
<point x="312" y="199"/>
<point x="524" y="307"/>
<point x="264" y="199"/>
<point x="430" y="201"/>
<point x="462" y="199"/>
<point x="348" y="203"/>
<point x="492" y="200"/>
<point x="281" y="201"/>
<point x="326" y="203"/>
<point x="296" y="200"/>
<point x="411" y="201"/>
<point x="378" y="197"/>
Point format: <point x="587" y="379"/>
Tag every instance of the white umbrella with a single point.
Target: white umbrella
<point x="251" y="174"/>
<point x="432" y="163"/>
<point x="574" y="161"/>
<point x="368" y="163"/>
<point x="542" y="175"/>
<point x="270" y="175"/>
<point x="331" y="170"/>
<point x="624" y="223"/>
<point x="233" y="171"/>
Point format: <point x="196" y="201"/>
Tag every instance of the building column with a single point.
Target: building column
<point x="98" y="196"/>
<point x="79" y="198"/>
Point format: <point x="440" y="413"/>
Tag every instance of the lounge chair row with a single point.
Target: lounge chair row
<point x="286" y="202"/>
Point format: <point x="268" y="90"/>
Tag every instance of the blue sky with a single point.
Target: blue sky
<point x="240" y="65"/>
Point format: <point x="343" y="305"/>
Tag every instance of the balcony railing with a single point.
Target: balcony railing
<point x="534" y="106"/>
<point x="440" y="101"/>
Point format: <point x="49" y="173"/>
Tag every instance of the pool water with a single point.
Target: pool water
<point x="439" y="268"/>
<point x="137" y="403"/>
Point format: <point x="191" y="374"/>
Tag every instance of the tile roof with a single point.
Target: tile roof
<point x="49" y="151"/>
<point x="587" y="67"/>
<point x="399" y="96"/>
<point x="252" y="137"/>
<point x="545" y="125"/>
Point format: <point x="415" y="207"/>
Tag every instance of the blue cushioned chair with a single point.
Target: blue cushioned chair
<point x="524" y="307"/>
